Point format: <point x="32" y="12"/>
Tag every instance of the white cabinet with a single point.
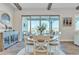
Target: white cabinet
<point x="10" y="38"/>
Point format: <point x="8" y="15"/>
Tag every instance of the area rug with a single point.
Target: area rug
<point x="28" y="51"/>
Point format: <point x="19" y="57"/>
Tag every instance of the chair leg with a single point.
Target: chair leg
<point x="55" y="49"/>
<point x="50" y="50"/>
<point x="34" y="52"/>
<point x="28" y="48"/>
<point x="25" y="49"/>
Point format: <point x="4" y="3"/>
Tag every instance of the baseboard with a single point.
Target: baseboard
<point x="67" y="41"/>
<point x="76" y="45"/>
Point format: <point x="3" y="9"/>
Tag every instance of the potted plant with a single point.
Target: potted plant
<point x="41" y="28"/>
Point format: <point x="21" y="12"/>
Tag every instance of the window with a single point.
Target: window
<point x="30" y="23"/>
<point x="5" y="18"/>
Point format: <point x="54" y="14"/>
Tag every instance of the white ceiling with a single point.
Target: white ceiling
<point x="33" y="5"/>
<point x="65" y="5"/>
<point x="45" y="5"/>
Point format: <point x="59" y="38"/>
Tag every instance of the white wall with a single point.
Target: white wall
<point x="67" y="32"/>
<point x="7" y="8"/>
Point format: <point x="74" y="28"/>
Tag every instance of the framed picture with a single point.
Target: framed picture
<point x="67" y="21"/>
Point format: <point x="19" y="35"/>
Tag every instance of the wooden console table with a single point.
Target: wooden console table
<point x="1" y="42"/>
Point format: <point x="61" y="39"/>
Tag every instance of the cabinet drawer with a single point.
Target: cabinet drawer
<point x="1" y="48"/>
<point x="0" y="34"/>
<point x="1" y="39"/>
<point x="1" y="45"/>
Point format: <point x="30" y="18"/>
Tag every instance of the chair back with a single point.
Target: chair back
<point x="41" y="38"/>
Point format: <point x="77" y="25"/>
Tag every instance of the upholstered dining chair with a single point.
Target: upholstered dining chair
<point x="40" y="45"/>
<point x="54" y="43"/>
<point x="40" y="48"/>
<point x="28" y="42"/>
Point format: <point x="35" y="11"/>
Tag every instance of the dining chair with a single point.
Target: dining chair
<point x="40" y="48"/>
<point x="28" y="42"/>
<point x="54" y="43"/>
<point x="40" y="45"/>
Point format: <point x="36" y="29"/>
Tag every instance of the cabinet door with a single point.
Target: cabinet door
<point x="16" y="36"/>
<point x="6" y="39"/>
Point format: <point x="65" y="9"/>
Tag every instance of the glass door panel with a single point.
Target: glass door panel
<point x="45" y="21"/>
<point x="35" y="22"/>
<point x="54" y="21"/>
<point x="26" y="24"/>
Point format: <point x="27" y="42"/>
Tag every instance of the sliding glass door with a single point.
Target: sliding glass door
<point x="30" y="24"/>
<point x="54" y="22"/>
